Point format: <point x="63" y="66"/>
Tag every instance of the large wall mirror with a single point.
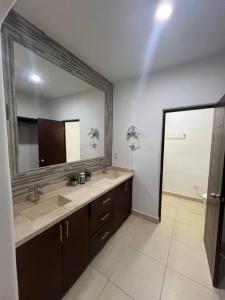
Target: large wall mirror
<point x="60" y="117"/>
<point x="59" y="109"/>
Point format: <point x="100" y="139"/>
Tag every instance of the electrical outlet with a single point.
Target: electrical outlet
<point x="115" y="156"/>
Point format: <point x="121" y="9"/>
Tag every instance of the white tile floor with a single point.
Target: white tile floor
<point x="145" y="261"/>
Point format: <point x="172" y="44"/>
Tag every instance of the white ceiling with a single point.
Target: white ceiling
<point x="61" y="85"/>
<point x="112" y="35"/>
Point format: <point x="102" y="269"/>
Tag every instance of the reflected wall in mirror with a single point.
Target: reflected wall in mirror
<point x="57" y="113"/>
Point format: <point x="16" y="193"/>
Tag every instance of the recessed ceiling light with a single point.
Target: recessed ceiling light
<point x="163" y="11"/>
<point x="35" y="78"/>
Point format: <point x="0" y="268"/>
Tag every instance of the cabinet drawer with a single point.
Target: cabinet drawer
<point x="101" y="237"/>
<point x="101" y="212"/>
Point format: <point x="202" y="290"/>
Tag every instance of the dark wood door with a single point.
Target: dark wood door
<point x="39" y="267"/>
<point x="122" y="196"/>
<point x="75" y="246"/>
<point x="118" y="195"/>
<point x="51" y="140"/>
<point x="215" y="206"/>
<point x="128" y="198"/>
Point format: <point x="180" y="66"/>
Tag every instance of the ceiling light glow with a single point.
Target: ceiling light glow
<point x="163" y="11"/>
<point x="35" y="78"/>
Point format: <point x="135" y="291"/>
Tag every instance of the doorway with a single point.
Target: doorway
<point x="187" y="147"/>
<point x="174" y="182"/>
<point x="177" y="136"/>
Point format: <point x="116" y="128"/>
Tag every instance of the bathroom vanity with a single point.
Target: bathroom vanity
<point x="59" y="123"/>
<point x="55" y="246"/>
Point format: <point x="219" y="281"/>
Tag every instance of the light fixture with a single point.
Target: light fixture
<point x="163" y="11"/>
<point x="35" y="78"/>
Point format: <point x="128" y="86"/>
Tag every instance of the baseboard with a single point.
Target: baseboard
<point x="183" y="196"/>
<point x="146" y="217"/>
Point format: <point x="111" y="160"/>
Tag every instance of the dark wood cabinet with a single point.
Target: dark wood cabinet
<point x="98" y="240"/>
<point x="50" y="263"/>
<point x="118" y="196"/>
<point x="75" y="246"/>
<point x="101" y="210"/>
<point x="128" y="198"/>
<point x="122" y="196"/>
<point x="39" y="267"/>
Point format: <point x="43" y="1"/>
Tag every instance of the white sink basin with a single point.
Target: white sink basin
<point x="43" y="208"/>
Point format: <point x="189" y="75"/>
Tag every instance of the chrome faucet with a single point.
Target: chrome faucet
<point x="37" y="193"/>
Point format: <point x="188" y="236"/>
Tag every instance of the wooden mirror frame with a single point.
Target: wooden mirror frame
<point x="17" y="29"/>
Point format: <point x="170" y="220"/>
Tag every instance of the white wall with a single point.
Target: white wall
<point x="8" y="283"/>
<point x="89" y="108"/>
<point x="199" y="82"/>
<point x="186" y="161"/>
<point x="32" y="107"/>
<point x="28" y="146"/>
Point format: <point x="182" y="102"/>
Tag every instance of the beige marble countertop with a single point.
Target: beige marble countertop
<point x="30" y="219"/>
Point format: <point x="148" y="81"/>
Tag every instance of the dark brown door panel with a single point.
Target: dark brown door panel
<point x="39" y="267"/>
<point x="75" y="246"/>
<point x="51" y="140"/>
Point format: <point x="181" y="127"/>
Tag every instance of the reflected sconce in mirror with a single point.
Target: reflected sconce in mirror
<point x="94" y="137"/>
<point x="133" y="137"/>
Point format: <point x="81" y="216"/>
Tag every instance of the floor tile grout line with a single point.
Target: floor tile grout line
<point x="172" y="238"/>
<point x="121" y="289"/>
<point x="138" y="252"/>
<point x="148" y="256"/>
<point x="165" y="265"/>
<point x="186" y="243"/>
<point x="189" y="278"/>
<point x="103" y="288"/>
<point x="164" y="276"/>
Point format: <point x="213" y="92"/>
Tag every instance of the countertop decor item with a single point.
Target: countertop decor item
<point x="94" y="136"/>
<point x="74" y="179"/>
<point x="82" y="178"/>
<point x="87" y="174"/>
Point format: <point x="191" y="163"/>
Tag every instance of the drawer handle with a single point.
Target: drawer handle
<point x="105" y="217"/>
<point x="67" y="229"/>
<point x="106" y="201"/>
<point x="61" y="233"/>
<point x="104" y="236"/>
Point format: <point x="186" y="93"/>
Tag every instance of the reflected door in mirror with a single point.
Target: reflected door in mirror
<point x="63" y="116"/>
<point x="51" y="140"/>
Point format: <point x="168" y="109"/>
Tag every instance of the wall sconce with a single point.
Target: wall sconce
<point x="133" y="137"/>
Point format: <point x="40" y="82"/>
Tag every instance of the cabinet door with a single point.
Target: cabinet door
<point x="118" y="196"/>
<point x="39" y="266"/>
<point x="128" y="198"/>
<point x="75" y="246"/>
<point x="122" y="196"/>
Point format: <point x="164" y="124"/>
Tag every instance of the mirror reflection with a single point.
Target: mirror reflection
<point x="60" y="117"/>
